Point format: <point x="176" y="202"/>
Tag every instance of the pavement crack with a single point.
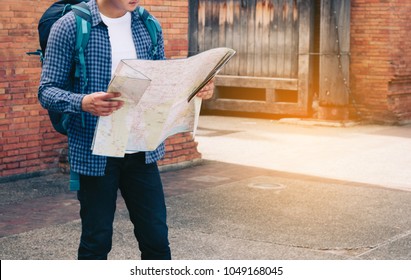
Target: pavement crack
<point x="388" y="241"/>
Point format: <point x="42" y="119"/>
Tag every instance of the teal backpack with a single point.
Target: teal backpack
<point x="83" y="25"/>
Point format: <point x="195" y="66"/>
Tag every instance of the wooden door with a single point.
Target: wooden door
<point x="271" y="71"/>
<point x="334" y="50"/>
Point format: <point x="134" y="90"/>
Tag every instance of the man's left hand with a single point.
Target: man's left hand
<point x="207" y="91"/>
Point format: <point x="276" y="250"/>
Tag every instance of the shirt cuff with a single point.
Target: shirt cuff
<point x="75" y="102"/>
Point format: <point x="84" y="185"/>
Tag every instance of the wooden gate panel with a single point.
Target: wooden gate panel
<point x="334" y="50"/>
<point x="305" y="61"/>
<point x="270" y="50"/>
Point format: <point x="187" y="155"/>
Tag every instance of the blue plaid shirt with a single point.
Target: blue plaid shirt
<point x="58" y="92"/>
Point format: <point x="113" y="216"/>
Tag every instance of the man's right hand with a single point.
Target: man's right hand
<point x="101" y="103"/>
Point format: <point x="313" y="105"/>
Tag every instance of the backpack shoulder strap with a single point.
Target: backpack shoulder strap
<point x="83" y="26"/>
<point x="153" y="26"/>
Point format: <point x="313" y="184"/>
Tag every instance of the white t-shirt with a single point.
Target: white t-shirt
<point x="121" y="39"/>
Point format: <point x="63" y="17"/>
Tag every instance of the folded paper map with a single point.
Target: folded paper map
<point x="159" y="101"/>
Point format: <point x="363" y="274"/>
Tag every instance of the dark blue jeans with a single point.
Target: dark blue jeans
<point x="142" y="190"/>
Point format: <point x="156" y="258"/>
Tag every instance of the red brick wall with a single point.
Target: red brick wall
<point x="173" y="16"/>
<point x="28" y="143"/>
<point x="381" y="59"/>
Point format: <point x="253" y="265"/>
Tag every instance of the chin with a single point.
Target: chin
<point x="133" y="5"/>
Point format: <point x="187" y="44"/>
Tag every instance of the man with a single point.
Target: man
<point x="117" y="33"/>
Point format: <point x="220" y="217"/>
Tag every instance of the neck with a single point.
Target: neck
<point x="110" y="9"/>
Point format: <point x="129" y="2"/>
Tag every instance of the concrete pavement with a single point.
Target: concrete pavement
<point x="372" y="154"/>
<point x="265" y="190"/>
